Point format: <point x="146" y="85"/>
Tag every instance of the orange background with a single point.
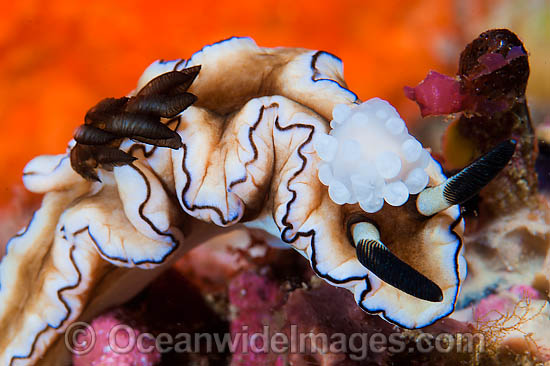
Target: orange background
<point x="58" y="58"/>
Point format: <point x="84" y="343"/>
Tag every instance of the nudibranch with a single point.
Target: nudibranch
<point x="266" y="137"/>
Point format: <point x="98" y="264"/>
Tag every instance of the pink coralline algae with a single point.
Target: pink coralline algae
<point x="170" y="305"/>
<point x="255" y="300"/>
<point x="264" y="306"/>
<point x="516" y="319"/>
<point x="211" y="265"/>
<point x="116" y="350"/>
<point x="437" y="94"/>
<point x="494" y="306"/>
<point x="326" y="310"/>
<point x="318" y="324"/>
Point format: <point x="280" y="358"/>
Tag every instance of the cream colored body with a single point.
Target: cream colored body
<point x="247" y="156"/>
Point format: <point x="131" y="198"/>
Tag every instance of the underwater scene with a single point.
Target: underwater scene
<point x="275" y="183"/>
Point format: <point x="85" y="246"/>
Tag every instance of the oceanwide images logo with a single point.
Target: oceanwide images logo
<point x="81" y="339"/>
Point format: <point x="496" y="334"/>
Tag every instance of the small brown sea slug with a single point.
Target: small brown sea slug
<point x="237" y="134"/>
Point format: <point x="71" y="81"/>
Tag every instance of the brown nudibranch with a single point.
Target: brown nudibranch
<point x="274" y="140"/>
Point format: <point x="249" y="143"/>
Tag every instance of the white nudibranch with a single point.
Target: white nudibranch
<point x="369" y="157"/>
<point x="150" y="176"/>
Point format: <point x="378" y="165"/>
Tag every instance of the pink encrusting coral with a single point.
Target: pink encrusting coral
<point x="114" y="348"/>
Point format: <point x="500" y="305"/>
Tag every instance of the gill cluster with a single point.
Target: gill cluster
<point x="369" y="157"/>
<point x="137" y="118"/>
